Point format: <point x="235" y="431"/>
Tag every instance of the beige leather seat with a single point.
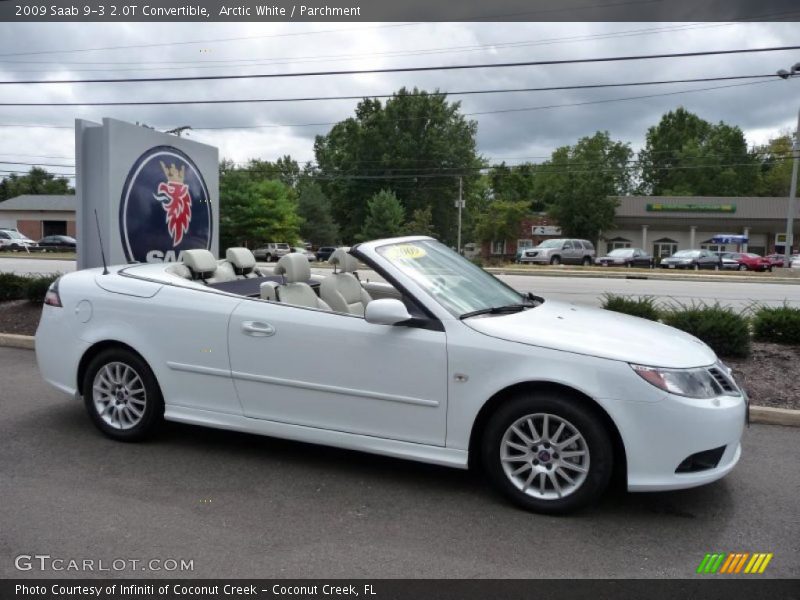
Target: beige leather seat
<point x="243" y="262"/>
<point x="342" y="290"/>
<point x="295" y="290"/>
<point x="203" y="266"/>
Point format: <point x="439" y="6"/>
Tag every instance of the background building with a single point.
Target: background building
<point x="38" y="216"/>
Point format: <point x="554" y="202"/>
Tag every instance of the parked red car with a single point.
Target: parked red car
<point x="749" y="261"/>
<point x="776" y="260"/>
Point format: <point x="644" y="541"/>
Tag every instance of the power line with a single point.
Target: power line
<point x="391" y="95"/>
<point x="409" y="69"/>
<point x="209" y="41"/>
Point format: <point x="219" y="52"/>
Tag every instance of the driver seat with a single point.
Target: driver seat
<point x="295" y="290"/>
<point x="342" y="290"/>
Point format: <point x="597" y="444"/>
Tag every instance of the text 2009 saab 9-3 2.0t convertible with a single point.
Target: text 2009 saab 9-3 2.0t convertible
<point x="441" y="363"/>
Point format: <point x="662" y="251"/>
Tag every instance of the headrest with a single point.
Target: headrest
<point x="242" y="259"/>
<point x="342" y="258"/>
<point x="294" y="267"/>
<point x="201" y="262"/>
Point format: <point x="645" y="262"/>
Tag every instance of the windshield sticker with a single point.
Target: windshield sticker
<point x="402" y="251"/>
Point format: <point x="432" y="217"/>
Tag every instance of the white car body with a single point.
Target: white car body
<point x="402" y="391"/>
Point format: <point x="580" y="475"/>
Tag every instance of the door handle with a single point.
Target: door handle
<point x="257" y="329"/>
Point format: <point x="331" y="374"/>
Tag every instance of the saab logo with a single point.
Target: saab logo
<point x="165" y="208"/>
<point x="734" y="562"/>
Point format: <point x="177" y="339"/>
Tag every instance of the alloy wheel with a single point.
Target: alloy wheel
<point x="119" y="395"/>
<point x="544" y="456"/>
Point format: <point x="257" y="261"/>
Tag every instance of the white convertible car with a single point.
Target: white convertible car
<point x="440" y="362"/>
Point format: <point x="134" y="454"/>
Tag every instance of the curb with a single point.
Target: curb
<point x="765" y="415"/>
<point x="13" y="340"/>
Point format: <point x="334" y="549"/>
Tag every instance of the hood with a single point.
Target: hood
<point x="597" y="332"/>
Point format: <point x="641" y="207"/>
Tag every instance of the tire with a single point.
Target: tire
<point x="556" y="260"/>
<point x="769" y="269"/>
<point x="501" y="460"/>
<point x="109" y="367"/>
<point x="587" y="262"/>
<point x="268" y="258"/>
<point x="629" y="265"/>
<point x="742" y="268"/>
<point x="696" y="266"/>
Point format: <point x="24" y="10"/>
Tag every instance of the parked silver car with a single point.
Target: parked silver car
<point x="272" y="251"/>
<point x="558" y="251"/>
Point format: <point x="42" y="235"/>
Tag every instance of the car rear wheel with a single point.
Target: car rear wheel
<point x="696" y="266"/>
<point x="587" y="262"/>
<point x="547" y="453"/>
<point x="122" y="395"/>
<point x="556" y="260"/>
<point x="742" y="268"/>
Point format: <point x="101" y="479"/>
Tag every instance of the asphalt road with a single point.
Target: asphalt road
<point x="246" y="506"/>
<point x="582" y="290"/>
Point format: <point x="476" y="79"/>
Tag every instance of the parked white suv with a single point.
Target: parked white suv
<point x="558" y="251"/>
<point x="11" y="239"/>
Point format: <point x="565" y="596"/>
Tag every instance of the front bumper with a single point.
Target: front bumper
<point x="659" y="436"/>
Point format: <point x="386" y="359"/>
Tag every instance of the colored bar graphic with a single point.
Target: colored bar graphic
<point x="734" y="562"/>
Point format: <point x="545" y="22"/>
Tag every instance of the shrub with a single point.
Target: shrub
<point x="726" y="331"/>
<point x="12" y="287"/>
<point x="638" y="307"/>
<point x="36" y="287"/>
<point x="780" y="325"/>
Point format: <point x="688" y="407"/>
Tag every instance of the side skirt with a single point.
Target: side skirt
<point x="447" y="457"/>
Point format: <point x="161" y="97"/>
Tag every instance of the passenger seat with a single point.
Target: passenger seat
<point x="342" y="290"/>
<point x="204" y="267"/>
<point x="295" y="290"/>
<point x="243" y="261"/>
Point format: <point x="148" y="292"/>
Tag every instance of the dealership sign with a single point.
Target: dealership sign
<point x="155" y="194"/>
<point x="689" y="207"/>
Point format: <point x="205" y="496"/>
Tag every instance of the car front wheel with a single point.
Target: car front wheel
<point x="122" y="395"/>
<point x="547" y="453"/>
<point x="556" y="260"/>
<point x="743" y="267"/>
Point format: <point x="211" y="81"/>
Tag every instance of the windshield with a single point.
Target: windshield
<point x="621" y="252"/>
<point x="15" y="235"/>
<point x="551" y="244"/>
<point x="454" y="282"/>
<point x="686" y="254"/>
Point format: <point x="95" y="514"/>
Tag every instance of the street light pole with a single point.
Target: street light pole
<point x="787" y="255"/>
<point x="460" y="203"/>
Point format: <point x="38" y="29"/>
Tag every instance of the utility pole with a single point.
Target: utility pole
<point x="460" y="205"/>
<point x="787" y="255"/>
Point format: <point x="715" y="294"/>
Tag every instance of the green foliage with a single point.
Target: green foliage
<point x="314" y="208"/>
<point x="515" y="184"/>
<point x="384" y="217"/>
<point x="685" y="155"/>
<point x="780" y="325"/>
<point x="643" y="307"/>
<point x="253" y="211"/>
<point x="32" y="287"/>
<point x="726" y="331"/>
<point x="421" y="223"/>
<point x="12" y="287"/>
<point x="776" y="166"/>
<point x="37" y="181"/>
<point x="501" y="220"/>
<point x="579" y="184"/>
<point x="412" y="132"/>
<point x="36" y="287"/>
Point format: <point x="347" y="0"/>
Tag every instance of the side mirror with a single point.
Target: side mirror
<point x="386" y="311"/>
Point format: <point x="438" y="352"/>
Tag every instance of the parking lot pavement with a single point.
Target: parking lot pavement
<point x="246" y="506"/>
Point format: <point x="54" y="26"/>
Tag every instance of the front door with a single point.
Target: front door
<point x="336" y="371"/>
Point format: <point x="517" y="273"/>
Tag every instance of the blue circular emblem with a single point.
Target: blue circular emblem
<point x="165" y="207"/>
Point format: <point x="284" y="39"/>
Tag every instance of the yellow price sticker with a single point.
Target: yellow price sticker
<point x="403" y="251"/>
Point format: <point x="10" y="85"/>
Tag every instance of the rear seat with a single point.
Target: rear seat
<point x="200" y="265"/>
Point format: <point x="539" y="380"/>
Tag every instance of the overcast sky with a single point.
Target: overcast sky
<point x="760" y="110"/>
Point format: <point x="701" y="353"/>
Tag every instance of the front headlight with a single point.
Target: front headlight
<point x="693" y="383"/>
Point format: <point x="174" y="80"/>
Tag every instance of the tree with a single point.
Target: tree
<point x="776" y="166"/>
<point x="579" y="184"/>
<point x="36" y="181"/>
<point x="314" y="209"/>
<point x="384" y="217"/>
<point x="254" y="211"/>
<point x="685" y="155"/>
<point x="501" y="221"/>
<point x="416" y="145"/>
<point x="515" y="183"/>
<point x="421" y="223"/>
